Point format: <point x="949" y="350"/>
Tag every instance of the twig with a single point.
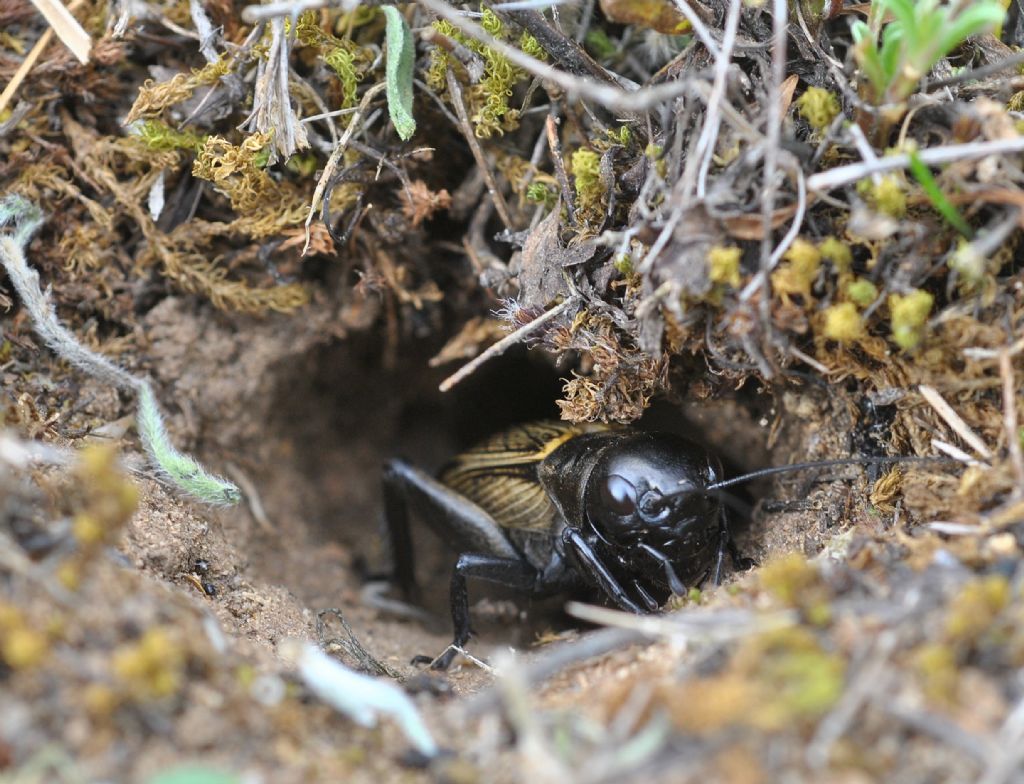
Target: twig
<point x="954" y="452"/>
<point x="555" y="147"/>
<point x="252" y="497"/>
<point x="292" y="8"/>
<point x="14" y="560"/>
<point x="719" y="625"/>
<point x="954" y="420"/>
<point x="455" y="91"/>
<point x="845" y="175"/>
<point x="768" y="258"/>
<point x="66" y="27"/>
<point x="699" y="29"/>
<point x="555" y="658"/>
<point x="332" y="162"/>
<point x="712" y="120"/>
<point x="1009" y="753"/>
<point x="614" y="98"/>
<point x="809" y="360"/>
<point x="865" y="683"/>
<point x="503" y="345"/>
<point x="947" y="528"/>
<point x="973" y="74"/>
<point x="30" y="60"/>
<point x="1010" y="419"/>
<point x="942" y="729"/>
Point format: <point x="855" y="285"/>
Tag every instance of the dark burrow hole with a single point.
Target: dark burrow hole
<point x="344" y="413"/>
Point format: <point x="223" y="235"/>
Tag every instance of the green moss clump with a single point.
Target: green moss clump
<point x="908" y="315"/>
<point x="801" y="270"/>
<point x="341" y="55"/>
<point x="976" y="608"/>
<point x="795" y="582"/>
<point x="623" y="264"/>
<point x="488" y="100"/>
<point x="819" y="107"/>
<point x="837" y="252"/>
<point x="888" y="195"/>
<point x="862" y="291"/>
<point x="843" y="323"/>
<point x="586" y="169"/>
<point x="540" y="193"/>
<point x="159" y="136"/>
<point x="724" y="265"/>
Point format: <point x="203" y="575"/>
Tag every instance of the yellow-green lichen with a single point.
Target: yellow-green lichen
<point x="22" y="646"/>
<point x="153" y="667"/>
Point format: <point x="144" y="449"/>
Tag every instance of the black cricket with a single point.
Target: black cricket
<point x="548" y="508"/>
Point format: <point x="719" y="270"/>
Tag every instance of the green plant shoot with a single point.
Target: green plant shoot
<point x="921" y="34"/>
<point x="943" y="206"/>
<point x="179" y="469"/>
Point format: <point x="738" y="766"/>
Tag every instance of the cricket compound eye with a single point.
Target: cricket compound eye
<point x="618" y="495"/>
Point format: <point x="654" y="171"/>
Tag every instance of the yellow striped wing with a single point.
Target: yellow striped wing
<point x="500" y="474"/>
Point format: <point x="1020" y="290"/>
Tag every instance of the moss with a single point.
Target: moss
<point x="970" y="265"/>
<point x="843" y="323"/>
<point x="159" y="136"/>
<point x="837" y="252"/>
<point x="21" y="646"/>
<point x="805" y="685"/>
<point x="908" y="315"/>
<point x="862" y="292"/>
<point x="87" y="529"/>
<point x="623" y="264"/>
<point x="488" y="100"/>
<point x="599" y="44"/>
<point x="937" y="668"/>
<point x="976" y="608"/>
<point x="541" y="193"/>
<point x="795" y="582"/>
<point x="888" y="195"/>
<point x="819" y="107"/>
<point x="724" y="265"/>
<point x="586" y="169"/>
<point x="798" y="275"/>
<point x="153" y="667"/>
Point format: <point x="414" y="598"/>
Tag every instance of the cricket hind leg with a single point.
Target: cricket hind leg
<point x="457" y="521"/>
<point x="487" y="553"/>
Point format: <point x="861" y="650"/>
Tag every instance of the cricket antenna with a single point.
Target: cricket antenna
<point x="816" y="464"/>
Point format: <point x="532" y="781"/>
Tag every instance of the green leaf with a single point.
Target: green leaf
<point x="971" y="21"/>
<point x="398" y="72"/>
<point x="935" y="195"/>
